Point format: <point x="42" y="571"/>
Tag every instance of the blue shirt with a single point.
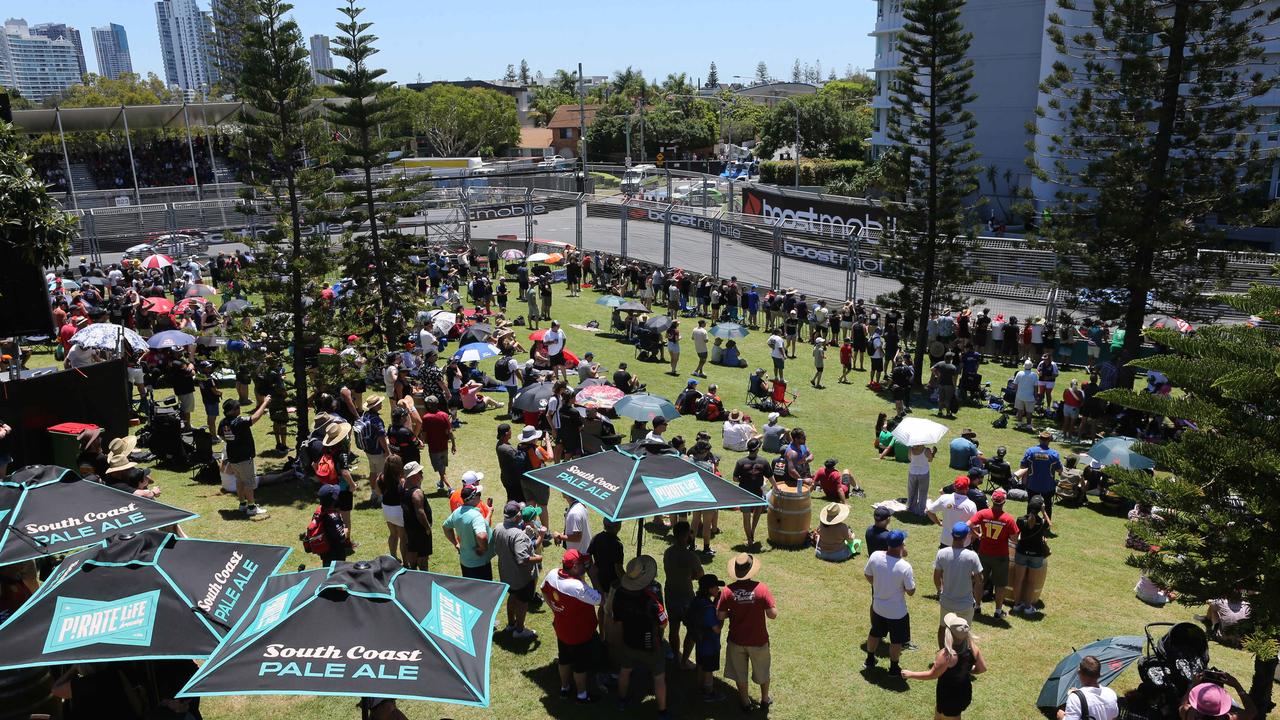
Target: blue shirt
<point x="963" y="451"/>
<point x="969" y="362"/>
<point x="1042" y="462"/>
<point x="753" y="300"/>
<point x="467" y="522"/>
<point x="702" y="621"/>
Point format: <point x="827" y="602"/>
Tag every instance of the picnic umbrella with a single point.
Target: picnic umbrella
<point x="645" y="407"/>
<point x="537" y="335"/>
<point x="192" y="302"/>
<point x="610" y="300"/>
<point x="47" y="510"/>
<point x="553" y="258"/>
<point x="362" y="629"/>
<point x="160" y="305"/>
<point x="538" y="257"/>
<point x="1119" y="451"/>
<point x="200" y="291"/>
<point x="108" y="336"/>
<point x="598" y="394"/>
<point x="919" y="431"/>
<point x="533" y="397"/>
<point x="170" y="339"/>
<point x="235" y="306"/>
<point x="729" y="331"/>
<point x="512" y="254"/>
<point x="1171" y="322"/>
<point x="475" y="352"/>
<point x="1114" y="654"/>
<point x="157" y="262"/>
<point x="150" y="596"/>
<point x="633" y="306"/>
<point x="541" y="269"/>
<point x="658" y="323"/>
<point x="622" y="485"/>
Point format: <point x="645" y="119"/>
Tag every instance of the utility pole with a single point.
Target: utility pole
<point x="582" y="131"/>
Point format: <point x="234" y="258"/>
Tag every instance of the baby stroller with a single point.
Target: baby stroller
<point x="648" y="344"/>
<point x="1169" y="668"/>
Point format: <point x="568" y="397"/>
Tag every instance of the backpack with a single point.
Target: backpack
<point x="326" y="471"/>
<point x="1000" y="422"/>
<point x="363" y="430"/>
<point x="314" y="539"/>
<point x="502" y="370"/>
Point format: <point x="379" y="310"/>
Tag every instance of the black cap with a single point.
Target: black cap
<point x="230" y="405"/>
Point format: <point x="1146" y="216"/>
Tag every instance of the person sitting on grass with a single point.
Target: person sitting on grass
<point x="836" y="485"/>
<point x="731" y="357"/>
<point x="473" y="401"/>
<point x="833" y="541"/>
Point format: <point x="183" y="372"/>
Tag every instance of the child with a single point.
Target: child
<point x="704" y="627"/>
<point x="502" y="295"/>
<point x="819" y="360"/>
<point x="846" y="361"/>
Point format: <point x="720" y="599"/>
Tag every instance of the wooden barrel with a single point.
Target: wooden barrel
<point x="789" y="517"/>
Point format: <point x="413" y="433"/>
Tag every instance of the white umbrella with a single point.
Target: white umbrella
<point x="919" y="431"/>
<point x="157" y="262"/>
<point x="537" y="257"/>
<point x="442" y="322"/>
<point x="106" y="336"/>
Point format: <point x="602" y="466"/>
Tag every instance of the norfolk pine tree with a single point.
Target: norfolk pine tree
<point x="933" y="168"/>
<point x="275" y="81"/>
<point x="1149" y="130"/>
<point x="1216" y="534"/>
<point x="713" y="75"/>
<point x="372" y="205"/>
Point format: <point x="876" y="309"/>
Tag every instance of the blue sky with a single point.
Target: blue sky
<point x="452" y="40"/>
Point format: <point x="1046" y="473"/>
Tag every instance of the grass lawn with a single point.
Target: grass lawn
<point x="817" y="660"/>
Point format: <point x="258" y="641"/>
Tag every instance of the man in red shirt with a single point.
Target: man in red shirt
<point x="747" y="604"/>
<point x="573" y="605"/>
<point x="836" y="485"/>
<point x="994" y="528"/>
<point x="437" y="435"/>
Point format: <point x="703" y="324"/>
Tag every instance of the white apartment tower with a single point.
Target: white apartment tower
<point x="111" y="44"/>
<point x="36" y="65"/>
<point x="186" y="32"/>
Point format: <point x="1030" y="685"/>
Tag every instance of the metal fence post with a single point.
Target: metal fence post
<point x="577" y="227"/>
<point x="775" y="274"/>
<point x="666" y="234"/>
<point x="622" y="244"/>
<point x="528" y="216"/>
<point x="851" y="272"/>
<point x="715" y="248"/>
<point x="731" y="197"/>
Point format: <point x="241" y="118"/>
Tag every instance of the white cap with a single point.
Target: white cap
<point x="472" y="477"/>
<point x="1027" y="365"/>
<point x="773" y="417"/>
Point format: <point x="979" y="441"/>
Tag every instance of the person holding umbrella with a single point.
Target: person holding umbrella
<point x="957" y="661"/>
<point x="1092" y="701"/>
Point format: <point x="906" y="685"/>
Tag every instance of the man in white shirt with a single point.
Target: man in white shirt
<point x="891" y="580"/>
<point x="951" y="508"/>
<point x="577" y="527"/>
<point x="1101" y="701"/>
<point x="699" y="336"/>
<point x="426" y="339"/>
<point x="554" y="339"/>
<point x="737" y="432"/>
<point x="1024" y="399"/>
<point x="80" y="357"/>
<point x="777" y="351"/>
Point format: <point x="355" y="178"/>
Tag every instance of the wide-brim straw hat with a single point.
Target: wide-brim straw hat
<point x="834" y="514"/>
<point x="743" y="566"/>
<point x="640" y="573"/>
<point x="336" y="433"/>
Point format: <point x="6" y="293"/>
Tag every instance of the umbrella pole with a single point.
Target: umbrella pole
<point x="639" y="536"/>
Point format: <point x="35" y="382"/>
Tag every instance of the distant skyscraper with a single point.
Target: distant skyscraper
<point x="320" y="60"/>
<point x="36" y="65"/>
<point x="112" y="47"/>
<point x="185" y="31"/>
<point x="53" y="31"/>
<point x="227" y="19"/>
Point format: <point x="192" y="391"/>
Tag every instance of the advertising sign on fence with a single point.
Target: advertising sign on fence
<point x="830" y="218"/>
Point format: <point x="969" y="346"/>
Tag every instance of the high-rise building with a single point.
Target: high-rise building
<point x="320" y="60"/>
<point x="1011" y="54"/>
<point x="112" y="47"/>
<point x="227" y="17"/>
<point x="185" y="34"/>
<point x="36" y="65"/>
<point x="54" y="31"/>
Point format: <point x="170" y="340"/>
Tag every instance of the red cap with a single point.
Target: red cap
<point x="998" y="496"/>
<point x="571" y="558"/>
<point x="962" y="483"/>
<point x="353" y="338"/>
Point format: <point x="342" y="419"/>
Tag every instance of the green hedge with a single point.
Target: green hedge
<point x="812" y="172"/>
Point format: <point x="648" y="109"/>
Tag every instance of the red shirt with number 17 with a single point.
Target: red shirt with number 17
<point x="994" y="530"/>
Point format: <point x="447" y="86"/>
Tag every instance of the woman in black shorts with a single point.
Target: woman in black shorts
<point x="958" y="660"/>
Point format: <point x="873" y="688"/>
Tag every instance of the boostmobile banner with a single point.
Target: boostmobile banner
<point x="821" y="217"/>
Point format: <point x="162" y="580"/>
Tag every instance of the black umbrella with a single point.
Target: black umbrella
<point x="477" y="333"/>
<point x="658" y="323"/>
<point x="633" y="306"/>
<point x="533" y="397"/>
<point x="365" y="629"/>
<point x="46" y="510"/>
<point x="93" y="280"/>
<point x="623" y="485"/>
<point x="151" y="596"/>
